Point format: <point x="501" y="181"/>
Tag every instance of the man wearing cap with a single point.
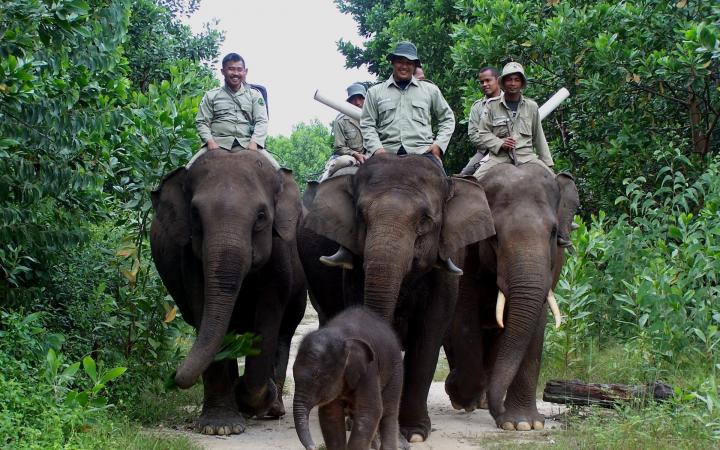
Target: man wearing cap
<point x="348" y="139"/>
<point x="397" y="114"/>
<point x="488" y="77"/>
<point x="233" y="117"/>
<point x="510" y="126"/>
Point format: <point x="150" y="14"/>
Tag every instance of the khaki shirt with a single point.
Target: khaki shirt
<point x="525" y="127"/>
<point x="474" y="123"/>
<point x="392" y="117"/>
<point x="348" y="138"/>
<point x="227" y="116"/>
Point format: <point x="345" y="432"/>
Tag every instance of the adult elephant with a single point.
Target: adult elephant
<point x="224" y="242"/>
<point x="494" y="344"/>
<point x="399" y="216"/>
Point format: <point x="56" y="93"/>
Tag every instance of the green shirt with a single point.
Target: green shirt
<point x="392" y="117"/>
<point x="497" y="122"/>
<point x="227" y="116"/>
<point x="474" y="123"/>
<point x="348" y="138"/>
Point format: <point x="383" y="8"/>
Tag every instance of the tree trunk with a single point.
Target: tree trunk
<point x="607" y="395"/>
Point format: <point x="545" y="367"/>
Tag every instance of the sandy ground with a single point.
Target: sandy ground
<point x="451" y="429"/>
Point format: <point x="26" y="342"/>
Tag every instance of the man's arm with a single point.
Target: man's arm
<point x="539" y="141"/>
<point x="446" y="120"/>
<point x="341" y="147"/>
<point x="474" y="124"/>
<point x="486" y="138"/>
<point x="203" y="119"/>
<point x="368" y="124"/>
<point x="259" y="113"/>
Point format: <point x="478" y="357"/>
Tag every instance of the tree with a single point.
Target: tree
<point x="305" y="151"/>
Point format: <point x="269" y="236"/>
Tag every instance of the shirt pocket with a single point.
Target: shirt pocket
<point x="353" y="138"/>
<point x="500" y="127"/>
<point x="421" y="112"/>
<point x="386" y="112"/>
<point x="223" y="111"/>
<point x="523" y="127"/>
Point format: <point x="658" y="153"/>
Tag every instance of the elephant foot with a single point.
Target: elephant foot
<point x="258" y="402"/>
<point x="415" y="434"/>
<point x="461" y="398"/>
<point x="221" y="421"/>
<point x="520" y="421"/>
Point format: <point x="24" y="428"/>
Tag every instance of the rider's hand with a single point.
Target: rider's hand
<point x="212" y="145"/>
<point x="379" y="151"/>
<point x="359" y="157"/>
<point x="509" y="143"/>
<point x="436" y="151"/>
<point x="252" y="145"/>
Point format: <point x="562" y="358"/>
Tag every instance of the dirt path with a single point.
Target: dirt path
<point x="451" y="429"/>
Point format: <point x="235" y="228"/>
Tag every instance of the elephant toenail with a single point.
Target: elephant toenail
<point x="415" y="438"/>
<point x="538" y="425"/>
<point x="237" y="429"/>
<point x="523" y="426"/>
<point x="207" y="429"/>
<point x="508" y="426"/>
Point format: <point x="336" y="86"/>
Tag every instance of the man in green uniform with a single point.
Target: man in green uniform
<point x="510" y="126"/>
<point x="233" y="117"/>
<point x="396" y="118"/>
<point x="348" y="139"/>
<point x="488" y="77"/>
<point x="397" y="114"/>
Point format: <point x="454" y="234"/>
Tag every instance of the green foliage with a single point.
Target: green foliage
<point x="305" y="151"/>
<point x="642" y="75"/>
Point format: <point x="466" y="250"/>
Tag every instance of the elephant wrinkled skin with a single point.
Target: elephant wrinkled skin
<point x="398" y="215"/>
<point x="523" y="261"/>
<point x="224" y="243"/>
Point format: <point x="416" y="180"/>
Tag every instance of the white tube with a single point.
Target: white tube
<point x="553" y="102"/>
<point x="344" y="107"/>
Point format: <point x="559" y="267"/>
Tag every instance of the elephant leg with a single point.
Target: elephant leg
<point x="520" y="403"/>
<point x="256" y="391"/>
<point x="332" y="424"/>
<point x="367" y="412"/>
<point x="293" y="316"/>
<point x="220" y="413"/>
<point x="426" y="330"/>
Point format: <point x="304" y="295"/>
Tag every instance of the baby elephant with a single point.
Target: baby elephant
<point x="352" y="363"/>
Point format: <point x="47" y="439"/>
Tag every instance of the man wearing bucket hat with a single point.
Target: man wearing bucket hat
<point x="397" y="114"/>
<point x="348" y="139"/>
<point x="510" y="126"/>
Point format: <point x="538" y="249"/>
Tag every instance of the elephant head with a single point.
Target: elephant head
<point x="327" y="364"/>
<point x="222" y="216"/>
<point x="529" y="207"/>
<point x="399" y="214"/>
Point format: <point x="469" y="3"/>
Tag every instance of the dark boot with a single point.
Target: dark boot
<point x="342" y="258"/>
<point x="449" y="266"/>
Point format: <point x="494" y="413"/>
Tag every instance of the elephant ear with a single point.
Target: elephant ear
<point x="287" y="206"/>
<point x="569" y="201"/>
<point x="332" y="212"/>
<point x="310" y="192"/>
<point x="172" y="212"/>
<point x="359" y="354"/>
<point x="467" y="217"/>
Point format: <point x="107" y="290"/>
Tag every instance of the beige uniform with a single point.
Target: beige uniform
<point x="348" y="139"/>
<point x="473" y="133"/>
<point x="498" y="122"/>
<point x="393" y="118"/>
<point x="232" y="120"/>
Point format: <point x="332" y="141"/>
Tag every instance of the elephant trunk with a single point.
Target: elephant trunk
<point x="527" y="288"/>
<point x="301" y="415"/>
<point x="388" y="258"/>
<point x="225" y="268"/>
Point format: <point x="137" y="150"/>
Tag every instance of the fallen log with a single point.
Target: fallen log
<point x="575" y="392"/>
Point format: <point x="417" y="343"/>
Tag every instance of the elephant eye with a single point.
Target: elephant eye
<point x="424" y="225"/>
<point x="261" y="220"/>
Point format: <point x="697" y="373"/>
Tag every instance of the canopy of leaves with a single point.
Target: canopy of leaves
<point x="305" y="151"/>
<point x="643" y="74"/>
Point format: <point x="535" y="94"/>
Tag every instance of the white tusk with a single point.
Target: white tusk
<point x="500" y="309"/>
<point x="554" y="308"/>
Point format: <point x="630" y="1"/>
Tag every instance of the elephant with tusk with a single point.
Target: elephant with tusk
<point x="494" y="344"/>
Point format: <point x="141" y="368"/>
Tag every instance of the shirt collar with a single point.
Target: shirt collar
<point x="391" y="82"/>
<point x="502" y="100"/>
<point x="243" y="88"/>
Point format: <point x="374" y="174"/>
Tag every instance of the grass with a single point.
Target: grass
<point x="179" y="407"/>
<point x="442" y="369"/>
<point x="130" y="437"/>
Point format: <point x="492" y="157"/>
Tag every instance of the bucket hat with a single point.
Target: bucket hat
<point x="355" y="89"/>
<point x="513" y="67"/>
<point x="406" y="50"/>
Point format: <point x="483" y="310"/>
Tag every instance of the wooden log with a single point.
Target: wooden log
<point x="575" y="392"/>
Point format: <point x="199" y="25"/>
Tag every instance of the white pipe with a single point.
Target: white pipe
<point x="500" y="309"/>
<point x="344" y="107"/>
<point x="553" y="102"/>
